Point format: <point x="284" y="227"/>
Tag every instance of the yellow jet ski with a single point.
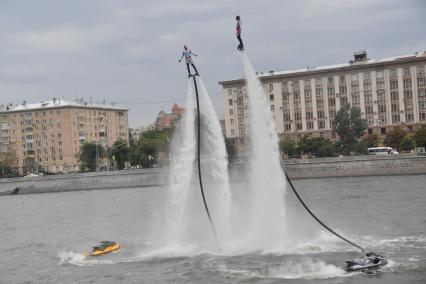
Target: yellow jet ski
<point x="103" y="248"/>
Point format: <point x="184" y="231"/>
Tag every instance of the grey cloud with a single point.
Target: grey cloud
<point x="127" y="51"/>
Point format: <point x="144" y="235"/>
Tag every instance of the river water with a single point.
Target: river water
<point x="43" y="235"/>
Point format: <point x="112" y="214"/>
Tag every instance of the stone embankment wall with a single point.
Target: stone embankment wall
<point x="357" y="166"/>
<point x="312" y="168"/>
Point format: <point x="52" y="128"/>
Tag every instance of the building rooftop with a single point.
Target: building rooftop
<point x="56" y="103"/>
<point x="351" y="63"/>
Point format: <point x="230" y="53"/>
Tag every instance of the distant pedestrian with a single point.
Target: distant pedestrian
<point x="238" y="32"/>
<point x="188" y="60"/>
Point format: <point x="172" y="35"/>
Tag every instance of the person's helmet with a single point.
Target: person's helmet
<point x="237" y="18"/>
<point x="185" y="47"/>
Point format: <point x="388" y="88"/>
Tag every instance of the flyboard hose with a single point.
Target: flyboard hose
<point x="312" y="214"/>
<point x="199" y="156"/>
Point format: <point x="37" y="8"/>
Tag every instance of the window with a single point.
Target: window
<point x="395" y="118"/>
<point x="408" y="94"/>
<point x="409" y="117"/>
<point x="394" y="85"/>
<point x="367" y="76"/>
<point x="309" y="115"/>
<point x="286" y="117"/>
<point x="299" y="126"/>
<point x="296" y="95"/>
<point x="332" y="113"/>
<point x="232" y="132"/>
<point x="320" y="114"/>
<point x="272" y="107"/>
<point x="343" y="101"/>
<point x="355" y="100"/>
<point x="298" y="116"/>
<point x="368" y="109"/>
<point x="406" y="83"/>
<point x="230" y="102"/>
<point x="320" y="103"/>
<point x="308" y="104"/>
<point x="310" y="125"/>
<point x="271" y="97"/>
<point x="308" y="93"/>
<point x="232" y="121"/>
<point x="394" y="96"/>
<point x="296" y="105"/>
<point x="231" y="111"/>
<point x="271" y="87"/>
<point x="382" y="108"/>
<point x="230" y="92"/>
<point x="395" y="107"/>
<point x="331" y="102"/>
<point x="321" y="124"/>
<point x="406" y="71"/>
<point x="287" y="127"/>
<point x="422" y="116"/>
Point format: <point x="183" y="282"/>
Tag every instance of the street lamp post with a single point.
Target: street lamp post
<point x="110" y="150"/>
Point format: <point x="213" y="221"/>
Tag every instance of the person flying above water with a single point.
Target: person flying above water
<point x="188" y="60"/>
<point x="238" y="31"/>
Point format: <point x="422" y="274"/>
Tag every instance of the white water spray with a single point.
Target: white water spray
<point x="181" y="172"/>
<point x="214" y="165"/>
<point x="268" y="227"/>
<point x="186" y="219"/>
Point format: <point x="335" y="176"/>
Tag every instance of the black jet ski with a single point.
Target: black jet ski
<point x="370" y="261"/>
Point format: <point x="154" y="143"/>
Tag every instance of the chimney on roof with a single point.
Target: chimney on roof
<point x="360" y="55"/>
<point x="271" y="72"/>
<point x="54" y="101"/>
<point x="24" y="103"/>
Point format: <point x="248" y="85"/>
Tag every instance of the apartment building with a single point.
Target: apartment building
<point x="47" y="136"/>
<point x="390" y="92"/>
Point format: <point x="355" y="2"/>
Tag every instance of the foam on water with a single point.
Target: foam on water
<point x="78" y="259"/>
<point x="305" y="269"/>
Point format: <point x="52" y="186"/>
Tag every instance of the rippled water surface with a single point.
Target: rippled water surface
<point x="43" y="237"/>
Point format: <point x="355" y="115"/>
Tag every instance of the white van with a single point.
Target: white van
<point x="381" y="151"/>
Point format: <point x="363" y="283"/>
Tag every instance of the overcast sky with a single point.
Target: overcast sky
<point x="126" y="51"/>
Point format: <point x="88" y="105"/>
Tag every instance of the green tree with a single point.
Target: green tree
<point x="394" y="137"/>
<point x="151" y="144"/>
<point x="372" y="140"/>
<point x="87" y="156"/>
<point x="420" y="137"/>
<point x="288" y="147"/>
<point x="120" y="153"/>
<point x="361" y="147"/>
<point x="349" y="125"/>
<point x="327" y="150"/>
<point x="230" y="149"/>
<point x="407" y="144"/>
<point x="312" y="145"/>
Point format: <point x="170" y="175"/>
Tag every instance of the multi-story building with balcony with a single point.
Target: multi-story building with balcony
<point x="47" y="136"/>
<point x="389" y="92"/>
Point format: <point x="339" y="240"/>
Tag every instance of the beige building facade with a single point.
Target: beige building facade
<point x="47" y="136"/>
<point x="390" y="92"/>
